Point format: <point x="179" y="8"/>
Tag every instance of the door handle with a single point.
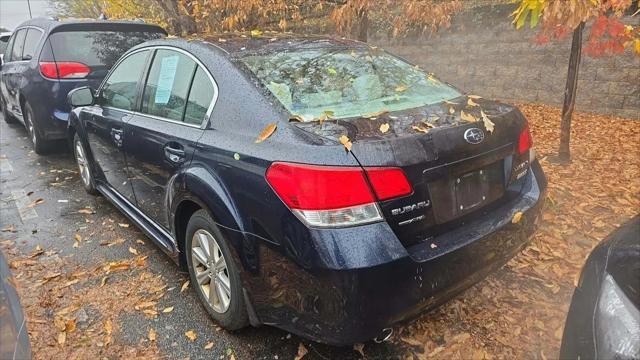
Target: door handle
<point x="174" y="153"/>
<point x="117" y="135"/>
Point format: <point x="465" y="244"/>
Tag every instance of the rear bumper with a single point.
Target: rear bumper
<point x="346" y="306"/>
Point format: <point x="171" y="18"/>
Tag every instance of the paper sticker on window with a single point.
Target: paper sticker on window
<point x="166" y="78"/>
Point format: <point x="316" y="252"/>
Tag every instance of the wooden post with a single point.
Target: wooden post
<point x="571" y="89"/>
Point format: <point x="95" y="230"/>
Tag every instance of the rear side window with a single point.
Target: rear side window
<point x="200" y="98"/>
<point x="166" y="90"/>
<point x="96" y="48"/>
<point x="18" y="45"/>
<point x="31" y="43"/>
<point x="7" y="51"/>
<point x="119" y="90"/>
<point x="4" y="41"/>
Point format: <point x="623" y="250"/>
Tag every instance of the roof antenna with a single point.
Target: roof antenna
<point x="103" y="17"/>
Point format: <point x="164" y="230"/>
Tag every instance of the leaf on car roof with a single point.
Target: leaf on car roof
<point x="266" y="132"/>
<point x="384" y="128"/>
<point x="344" y="140"/>
<point x="488" y="124"/>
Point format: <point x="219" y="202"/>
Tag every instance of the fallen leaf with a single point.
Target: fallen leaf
<point x="344" y="140"/>
<point x="70" y="326"/>
<point x="86" y="211"/>
<point x="470" y="102"/>
<point x="256" y="32"/>
<point x="302" y="351"/>
<point x="359" y="347"/>
<point x="236" y="156"/>
<point x="488" y="124"/>
<point x="475" y="97"/>
<point x="467" y="117"/>
<point x="375" y="114"/>
<point x="103" y="281"/>
<point x="152" y="335"/>
<point x="37" y="252"/>
<point x="191" y="335"/>
<point x="332" y="71"/>
<point x="209" y="346"/>
<point x="184" y="286"/>
<point x="77" y="237"/>
<point x="141" y="242"/>
<point x="384" y="128"/>
<point x="36" y="202"/>
<point x="10" y="228"/>
<point x="266" y="132"/>
<point x="108" y="327"/>
<point x="167" y="309"/>
<point x="133" y="251"/>
<point x="401" y="88"/>
<point x="62" y="338"/>
<point x="419" y="128"/>
<point x="123" y="225"/>
<point x="516" y="217"/>
<point x="452" y="110"/>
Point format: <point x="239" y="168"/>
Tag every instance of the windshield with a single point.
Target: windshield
<point x="343" y="83"/>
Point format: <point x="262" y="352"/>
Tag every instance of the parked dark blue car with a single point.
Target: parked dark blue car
<point x="46" y="58"/>
<point x="367" y="200"/>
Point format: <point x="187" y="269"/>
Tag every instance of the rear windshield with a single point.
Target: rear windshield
<point x="345" y="82"/>
<point x="96" y="48"/>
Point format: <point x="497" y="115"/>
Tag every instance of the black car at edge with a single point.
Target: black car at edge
<point x="46" y="58"/>
<point x="293" y="230"/>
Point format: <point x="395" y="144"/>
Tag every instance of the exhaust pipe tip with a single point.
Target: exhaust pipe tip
<point x="385" y="335"/>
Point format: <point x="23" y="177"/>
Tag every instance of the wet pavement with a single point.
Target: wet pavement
<point x="42" y="196"/>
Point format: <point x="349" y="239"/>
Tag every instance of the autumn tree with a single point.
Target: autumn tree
<point x="608" y="36"/>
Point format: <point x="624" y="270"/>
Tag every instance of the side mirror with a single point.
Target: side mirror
<point x="82" y="96"/>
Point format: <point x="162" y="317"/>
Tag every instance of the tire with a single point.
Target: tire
<point x="233" y="316"/>
<point x="40" y="145"/>
<point x="84" y="165"/>
<point x="8" y="118"/>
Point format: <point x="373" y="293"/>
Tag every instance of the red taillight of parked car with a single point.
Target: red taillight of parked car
<point x="525" y="142"/>
<point x="332" y="196"/>
<point x="64" y="70"/>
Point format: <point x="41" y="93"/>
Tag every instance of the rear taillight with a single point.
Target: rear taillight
<point x="331" y="196"/>
<point x="64" y="70"/>
<point x="525" y="142"/>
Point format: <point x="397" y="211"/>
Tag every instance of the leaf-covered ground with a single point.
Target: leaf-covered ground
<point x="518" y="312"/>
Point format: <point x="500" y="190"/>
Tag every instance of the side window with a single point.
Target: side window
<point x="200" y="97"/>
<point x="166" y="90"/>
<point x="119" y="91"/>
<point x="18" y="44"/>
<point x="8" y="50"/>
<point x="30" y="43"/>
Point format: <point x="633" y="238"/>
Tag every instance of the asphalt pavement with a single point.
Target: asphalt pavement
<point x="42" y="195"/>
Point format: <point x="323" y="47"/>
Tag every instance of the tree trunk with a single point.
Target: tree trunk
<point x="571" y="88"/>
<point x="363" y="26"/>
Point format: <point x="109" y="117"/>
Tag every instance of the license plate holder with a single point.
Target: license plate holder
<point x="471" y="190"/>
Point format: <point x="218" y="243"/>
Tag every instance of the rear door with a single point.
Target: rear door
<point x="105" y="122"/>
<point x="11" y="69"/>
<point x="162" y="137"/>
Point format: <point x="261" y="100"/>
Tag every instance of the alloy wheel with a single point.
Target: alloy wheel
<point x="82" y="164"/>
<point x="211" y="271"/>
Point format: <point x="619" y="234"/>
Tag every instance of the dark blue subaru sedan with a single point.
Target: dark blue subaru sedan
<point x="319" y="185"/>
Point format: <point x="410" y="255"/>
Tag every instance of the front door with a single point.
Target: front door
<point x="11" y="68"/>
<point x="161" y="139"/>
<point x="105" y="122"/>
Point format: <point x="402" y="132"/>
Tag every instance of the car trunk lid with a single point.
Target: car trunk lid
<point x="456" y="168"/>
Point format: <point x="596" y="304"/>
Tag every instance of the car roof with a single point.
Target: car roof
<point x="241" y="43"/>
<point x="51" y="24"/>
